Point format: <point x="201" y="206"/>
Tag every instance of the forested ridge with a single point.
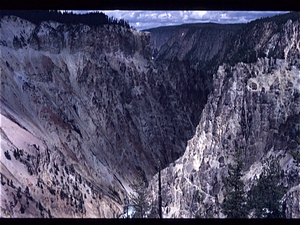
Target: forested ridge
<point x="91" y="19"/>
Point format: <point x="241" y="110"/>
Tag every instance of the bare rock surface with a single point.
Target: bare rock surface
<point x="198" y="43"/>
<point x="87" y="110"/>
<point x="254" y="107"/>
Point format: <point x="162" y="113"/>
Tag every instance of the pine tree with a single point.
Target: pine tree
<point x="7" y="155"/>
<point x="41" y="208"/>
<point x="296" y="156"/>
<point x="234" y="205"/>
<point x="12" y="184"/>
<point x="22" y="209"/>
<point x="2" y="180"/>
<point x="265" y="196"/>
<point x="19" y="193"/>
<point x="139" y="200"/>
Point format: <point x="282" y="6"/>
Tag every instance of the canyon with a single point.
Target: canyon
<point x="86" y="109"/>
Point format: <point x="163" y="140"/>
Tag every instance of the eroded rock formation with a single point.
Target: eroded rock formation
<point x="254" y="108"/>
<point x="87" y="109"/>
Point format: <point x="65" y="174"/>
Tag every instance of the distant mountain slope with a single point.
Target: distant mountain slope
<point x="198" y="43"/>
<point x="208" y="45"/>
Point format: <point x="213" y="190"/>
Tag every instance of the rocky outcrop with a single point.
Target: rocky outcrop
<point x="253" y="108"/>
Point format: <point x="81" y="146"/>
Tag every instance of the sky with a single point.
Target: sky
<point x="145" y="19"/>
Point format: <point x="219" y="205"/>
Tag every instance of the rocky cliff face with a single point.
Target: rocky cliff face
<point x="159" y="37"/>
<point x="83" y="110"/>
<point x="198" y="43"/>
<point x="254" y="107"/>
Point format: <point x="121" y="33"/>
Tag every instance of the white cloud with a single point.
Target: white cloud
<point x="197" y="14"/>
<point x="165" y="16"/>
<point x="149" y="19"/>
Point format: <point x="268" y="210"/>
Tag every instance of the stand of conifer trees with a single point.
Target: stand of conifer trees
<point x="91" y="19"/>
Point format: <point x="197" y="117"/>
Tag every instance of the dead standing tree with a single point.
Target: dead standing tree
<point x="159" y="191"/>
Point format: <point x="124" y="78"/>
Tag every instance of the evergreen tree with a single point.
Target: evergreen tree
<point x="12" y="184"/>
<point x="2" y="180"/>
<point x="265" y="196"/>
<point x="27" y="192"/>
<point x="41" y="208"/>
<point x="234" y="205"/>
<point x="91" y="19"/>
<point x="296" y="156"/>
<point x="22" y="209"/>
<point x="7" y="155"/>
<point x="139" y="200"/>
<point x="154" y="210"/>
<point x="19" y="193"/>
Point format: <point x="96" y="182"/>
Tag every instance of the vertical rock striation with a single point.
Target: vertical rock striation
<point x="198" y="43"/>
<point x="254" y="108"/>
<point x="87" y="109"/>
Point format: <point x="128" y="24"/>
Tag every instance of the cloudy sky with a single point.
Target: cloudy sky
<point x="145" y="19"/>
